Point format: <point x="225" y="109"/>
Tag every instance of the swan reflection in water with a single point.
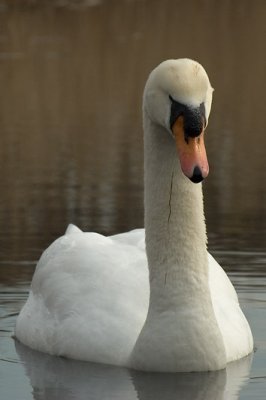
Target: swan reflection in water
<point x="55" y="377"/>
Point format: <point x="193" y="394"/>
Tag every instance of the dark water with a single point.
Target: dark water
<point x="71" y="81"/>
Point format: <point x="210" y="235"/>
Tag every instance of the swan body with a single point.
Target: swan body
<point x="152" y="300"/>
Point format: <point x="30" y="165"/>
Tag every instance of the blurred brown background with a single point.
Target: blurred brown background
<point x="71" y="81"/>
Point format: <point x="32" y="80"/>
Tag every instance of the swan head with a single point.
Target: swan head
<point x="178" y="96"/>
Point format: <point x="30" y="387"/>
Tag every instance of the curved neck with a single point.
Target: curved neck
<point x="180" y="323"/>
<point x="174" y="221"/>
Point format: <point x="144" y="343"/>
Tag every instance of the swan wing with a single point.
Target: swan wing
<point x="88" y="298"/>
<point x="232" y="322"/>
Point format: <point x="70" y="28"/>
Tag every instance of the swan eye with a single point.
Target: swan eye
<point x="177" y="109"/>
<point x="203" y="114"/>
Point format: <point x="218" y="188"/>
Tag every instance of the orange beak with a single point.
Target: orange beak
<point x="191" y="152"/>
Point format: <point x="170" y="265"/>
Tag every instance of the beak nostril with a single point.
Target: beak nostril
<point x="197" y="175"/>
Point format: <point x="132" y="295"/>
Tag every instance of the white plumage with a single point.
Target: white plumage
<point x="97" y="298"/>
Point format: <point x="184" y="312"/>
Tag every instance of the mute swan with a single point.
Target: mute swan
<point x="171" y="307"/>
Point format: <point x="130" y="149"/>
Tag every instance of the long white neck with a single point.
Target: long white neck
<point x="180" y="332"/>
<point x="174" y="221"/>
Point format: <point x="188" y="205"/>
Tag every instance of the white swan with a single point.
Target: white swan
<point x="92" y="297"/>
